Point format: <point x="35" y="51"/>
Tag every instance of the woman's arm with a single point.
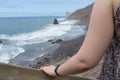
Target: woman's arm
<point x="98" y="37"/>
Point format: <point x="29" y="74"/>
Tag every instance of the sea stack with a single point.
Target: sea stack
<point x="55" y="21"/>
<point x="67" y="14"/>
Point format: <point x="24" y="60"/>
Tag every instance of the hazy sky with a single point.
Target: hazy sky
<point x="13" y="8"/>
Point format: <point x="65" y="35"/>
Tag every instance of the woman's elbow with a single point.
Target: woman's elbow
<point x="84" y="66"/>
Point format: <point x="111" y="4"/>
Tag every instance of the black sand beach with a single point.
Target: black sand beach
<point x="37" y="55"/>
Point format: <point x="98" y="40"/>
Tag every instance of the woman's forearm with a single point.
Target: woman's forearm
<point x="73" y="66"/>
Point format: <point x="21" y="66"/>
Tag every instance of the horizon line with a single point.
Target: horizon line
<point x="27" y="16"/>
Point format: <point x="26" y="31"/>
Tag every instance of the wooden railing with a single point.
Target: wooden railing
<point x="10" y="72"/>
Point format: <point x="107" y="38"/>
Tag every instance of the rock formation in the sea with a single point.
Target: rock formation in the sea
<point x="67" y="14"/>
<point x="82" y="14"/>
<point x="55" y="21"/>
<point x="50" y="40"/>
<point x="55" y="41"/>
<point x="59" y="40"/>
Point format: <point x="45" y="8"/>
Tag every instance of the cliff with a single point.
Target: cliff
<point x="82" y="14"/>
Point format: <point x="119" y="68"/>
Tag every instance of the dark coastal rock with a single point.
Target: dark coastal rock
<point x="53" y="42"/>
<point x="59" y="40"/>
<point x="55" y="21"/>
<point x="0" y="41"/>
<point x="83" y="15"/>
<point x="5" y="41"/>
<point x="50" y="40"/>
<point x="40" y="61"/>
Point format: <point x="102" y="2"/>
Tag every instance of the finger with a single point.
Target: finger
<point x="43" y="68"/>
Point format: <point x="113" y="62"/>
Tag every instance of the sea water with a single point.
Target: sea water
<point x="20" y="31"/>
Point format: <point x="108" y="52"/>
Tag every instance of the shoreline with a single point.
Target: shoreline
<point x="53" y="53"/>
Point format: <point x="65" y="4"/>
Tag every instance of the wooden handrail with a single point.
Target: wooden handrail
<point x="10" y="72"/>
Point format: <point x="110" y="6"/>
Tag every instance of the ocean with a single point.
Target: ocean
<point x="16" y="32"/>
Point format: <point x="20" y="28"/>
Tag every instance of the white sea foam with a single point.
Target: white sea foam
<point x="68" y="22"/>
<point x="8" y="52"/>
<point x="61" y="19"/>
<point x="41" y="35"/>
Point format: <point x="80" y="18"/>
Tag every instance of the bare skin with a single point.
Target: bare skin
<point x="97" y="40"/>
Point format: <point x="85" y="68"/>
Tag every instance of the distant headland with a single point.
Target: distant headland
<point x="83" y="15"/>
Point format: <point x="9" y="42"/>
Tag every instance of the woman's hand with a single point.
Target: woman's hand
<point x="49" y="70"/>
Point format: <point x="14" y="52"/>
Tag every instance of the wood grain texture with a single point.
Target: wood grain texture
<point x="10" y="72"/>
